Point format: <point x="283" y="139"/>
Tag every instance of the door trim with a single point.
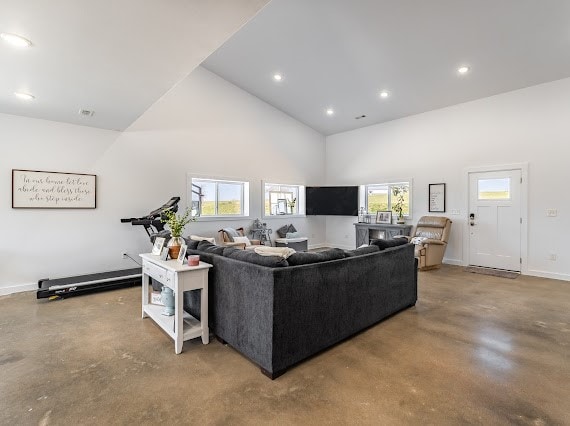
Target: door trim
<point x="523" y="167"/>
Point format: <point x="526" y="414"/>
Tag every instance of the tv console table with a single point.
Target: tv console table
<point x="366" y="232"/>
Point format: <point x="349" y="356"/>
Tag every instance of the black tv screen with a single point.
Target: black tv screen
<point x="332" y="200"/>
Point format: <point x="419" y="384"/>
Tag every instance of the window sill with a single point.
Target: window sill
<point x="221" y="218"/>
<point x="282" y="216"/>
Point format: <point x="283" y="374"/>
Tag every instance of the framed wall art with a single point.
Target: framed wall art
<point x="34" y="189"/>
<point x="437" y="197"/>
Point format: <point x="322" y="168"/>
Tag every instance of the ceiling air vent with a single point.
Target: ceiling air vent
<point x="359" y="117"/>
<point x="86" y="113"/>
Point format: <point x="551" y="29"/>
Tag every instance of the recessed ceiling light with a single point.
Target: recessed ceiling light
<point x="464" y="69"/>
<point x="329" y="111"/>
<point x="277" y="77"/>
<point x="24" y="96"/>
<point x="15" y="40"/>
<point x="384" y="94"/>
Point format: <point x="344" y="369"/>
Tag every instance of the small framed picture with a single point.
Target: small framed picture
<point x="383" y="217"/>
<point x="158" y="245"/>
<point x="164" y="253"/>
<point x="437" y="197"/>
<point x="182" y="253"/>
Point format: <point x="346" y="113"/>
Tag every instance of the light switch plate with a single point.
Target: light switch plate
<point x="455" y="212"/>
<point x="551" y="212"/>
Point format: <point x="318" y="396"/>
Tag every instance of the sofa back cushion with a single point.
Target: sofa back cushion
<point x="208" y="247"/>
<point x="252" y="257"/>
<point x="362" y="250"/>
<point x="384" y="244"/>
<point x="305" y="258"/>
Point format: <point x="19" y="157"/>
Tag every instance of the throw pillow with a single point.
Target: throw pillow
<point x="199" y="238"/>
<point x="293" y="234"/>
<point x="282" y="232"/>
<point x="242" y="240"/>
<point x="191" y="244"/>
<point x="362" y="250"/>
<point x="231" y="233"/>
<point x="252" y="257"/>
<point x="291" y="229"/>
<point x="384" y="244"/>
<point x="208" y="247"/>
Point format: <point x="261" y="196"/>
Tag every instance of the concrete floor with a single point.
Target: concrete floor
<point x="476" y="349"/>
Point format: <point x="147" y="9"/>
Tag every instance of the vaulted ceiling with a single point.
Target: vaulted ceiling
<point x="117" y="58"/>
<point x="340" y="54"/>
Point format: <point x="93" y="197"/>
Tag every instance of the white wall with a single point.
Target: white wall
<point x="529" y="125"/>
<point x="204" y="125"/>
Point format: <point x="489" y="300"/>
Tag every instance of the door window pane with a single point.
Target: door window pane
<point x="494" y="189"/>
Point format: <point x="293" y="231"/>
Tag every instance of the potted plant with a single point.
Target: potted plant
<point x="399" y="192"/>
<point x="292" y="204"/>
<point x="176" y="224"/>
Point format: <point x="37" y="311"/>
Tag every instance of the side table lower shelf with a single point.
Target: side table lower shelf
<point x="191" y="328"/>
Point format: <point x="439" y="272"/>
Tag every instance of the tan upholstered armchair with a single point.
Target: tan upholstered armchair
<point x="430" y="238"/>
<point x="236" y="238"/>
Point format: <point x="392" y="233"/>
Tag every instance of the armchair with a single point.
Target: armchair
<point x="430" y="239"/>
<point x="231" y="237"/>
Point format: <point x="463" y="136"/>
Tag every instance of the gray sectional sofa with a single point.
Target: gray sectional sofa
<point x="277" y="314"/>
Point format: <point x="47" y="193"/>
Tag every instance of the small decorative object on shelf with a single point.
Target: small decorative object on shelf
<point x="361" y="215"/>
<point x="291" y="205"/>
<point x="167" y="298"/>
<point x="176" y="223"/>
<point x="398" y="208"/>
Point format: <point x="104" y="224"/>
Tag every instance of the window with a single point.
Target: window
<point x="384" y="197"/>
<point x="282" y="199"/>
<point x="218" y="198"/>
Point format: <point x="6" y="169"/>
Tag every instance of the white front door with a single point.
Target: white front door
<point x="495" y="219"/>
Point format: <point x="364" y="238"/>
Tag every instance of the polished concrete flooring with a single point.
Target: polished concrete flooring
<point x="475" y="350"/>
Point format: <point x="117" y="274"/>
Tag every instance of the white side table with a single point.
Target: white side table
<point x="180" y="278"/>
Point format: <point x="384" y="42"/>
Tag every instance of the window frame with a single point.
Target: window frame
<point x="299" y="205"/>
<point x="364" y="189"/>
<point x="245" y="196"/>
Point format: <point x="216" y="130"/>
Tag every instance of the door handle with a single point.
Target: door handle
<point x="472" y="219"/>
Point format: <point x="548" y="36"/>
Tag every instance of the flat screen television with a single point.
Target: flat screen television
<point x="331" y="200"/>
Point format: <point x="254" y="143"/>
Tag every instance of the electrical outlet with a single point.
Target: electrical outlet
<point x="551" y="212"/>
<point x="124" y="254"/>
<point x="552" y="256"/>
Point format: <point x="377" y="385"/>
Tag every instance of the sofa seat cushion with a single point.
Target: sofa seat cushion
<point x="306" y="258"/>
<point x="252" y="257"/>
<point x="208" y="247"/>
<point x="362" y="250"/>
<point x="384" y="244"/>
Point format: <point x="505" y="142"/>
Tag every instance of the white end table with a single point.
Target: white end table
<point x="180" y="278"/>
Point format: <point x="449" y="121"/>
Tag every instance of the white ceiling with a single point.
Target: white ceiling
<point x="114" y="57"/>
<point x="341" y="53"/>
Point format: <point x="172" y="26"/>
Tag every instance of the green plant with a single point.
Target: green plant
<point x="399" y="194"/>
<point x="177" y="222"/>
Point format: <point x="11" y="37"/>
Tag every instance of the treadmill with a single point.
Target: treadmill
<point x="82" y="284"/>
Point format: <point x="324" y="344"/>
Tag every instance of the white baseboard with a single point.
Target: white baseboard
<point x="317" y="246"/>
<point x="456" y="262"/>
<point x="551" y="275"/>
<point x="18" y="288"/>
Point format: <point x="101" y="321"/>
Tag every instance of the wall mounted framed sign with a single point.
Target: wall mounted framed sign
<point x="34" y="189"/>
<point x="437" y="197"/>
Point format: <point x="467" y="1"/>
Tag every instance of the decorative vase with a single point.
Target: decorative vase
<point x="174" y="245"/>
<point x="401" y="220"/>
<point x="167" y="298"/>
